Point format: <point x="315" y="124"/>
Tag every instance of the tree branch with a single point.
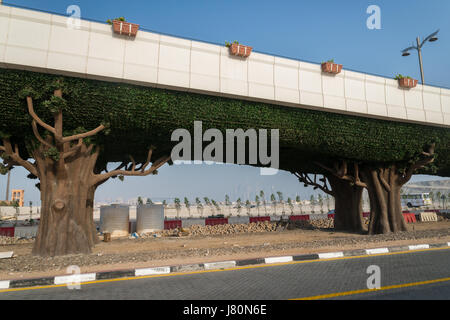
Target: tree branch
<point x="304" y="178"/>
<point x="84" y="135"/>
<point x="36" y="118"/>
<point x="15" y="159"/>
<point x="38" y="136"/>
<point x="131" y="170"/>
<point x="341" y="172"/>
<point x="383" y="181"/>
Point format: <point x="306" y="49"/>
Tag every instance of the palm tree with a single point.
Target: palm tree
<point x="248" y="206"/>
<point x="149" y="201"/>
<point x="312" y="201"/>
<point x="438" y="196"/>
<point x="291" y="205"/>
<point x="199" y="206"/>
<point x="432" y="198"/>
<point x="263" y="198"/>
<point x="216" y="206"/>
<point x="177" y="206"/>
<point x="321" y="203"/>
<point x="239" y="206"/>
<point x="280" y="198"/>
<point x="299" y="203"/>
<point x="188" y="205"/>
<point x="140" y="201"/>
<point x="208" y="203"/>
<point x="228" y="204"/>
<point x="257" y="203"/>
<point x="274" y="202"/>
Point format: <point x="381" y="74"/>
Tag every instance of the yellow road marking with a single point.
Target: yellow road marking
<point x="340" y="294"/>
<point x="221" y="270"/>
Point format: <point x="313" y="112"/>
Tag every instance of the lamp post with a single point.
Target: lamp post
<point x="431" y="38"/>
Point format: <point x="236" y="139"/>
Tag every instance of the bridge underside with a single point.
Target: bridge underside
<point x="90" y="123"/>
<point x="143" y="116"/>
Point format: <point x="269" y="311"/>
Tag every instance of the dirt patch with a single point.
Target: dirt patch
<point x="147" y="252"/>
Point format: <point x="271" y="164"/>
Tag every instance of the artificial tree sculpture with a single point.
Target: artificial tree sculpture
<point x="383" y="183"/>
<point x="69" y="175"/>
<point x="347" y="195"/>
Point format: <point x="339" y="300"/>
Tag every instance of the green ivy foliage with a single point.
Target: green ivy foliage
<point x="138" y="117"/>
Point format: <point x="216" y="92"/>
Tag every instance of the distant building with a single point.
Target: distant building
<point x="17" y="195"/>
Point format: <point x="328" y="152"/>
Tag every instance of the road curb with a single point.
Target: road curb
<point x="219" y="265"/>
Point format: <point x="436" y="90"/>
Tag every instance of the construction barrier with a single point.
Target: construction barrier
<point x="428" y="216"/>
<point x="172" y="224"/>
<point x="366" y="214"/>
<point x="26" y="231"/>
<point x="410" y="217"/>
<point x="318" y="216"/>
<point x="7" y="231"/>
<point x="215" y="221"/>
<point x="238" y="220"/>
<point x="297" y="218"/>
<point x="259" y="219"/>
<point x="193" y="222"/>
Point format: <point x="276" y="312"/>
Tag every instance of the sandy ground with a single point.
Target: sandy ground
<point x="168" y="251"/>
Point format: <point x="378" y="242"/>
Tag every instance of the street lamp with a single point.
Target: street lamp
<point x="431" y="38"/>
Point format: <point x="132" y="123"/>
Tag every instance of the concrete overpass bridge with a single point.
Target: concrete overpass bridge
<point x="43" y="42"/>
<point x="140" y="90"/>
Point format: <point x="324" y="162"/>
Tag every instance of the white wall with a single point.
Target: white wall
<point x="39" y="41"/>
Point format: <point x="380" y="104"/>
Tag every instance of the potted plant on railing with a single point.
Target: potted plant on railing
<point x="331" y="67"/>
<point x="238" y="49"/>
<point x="406" y="82"/>
<point x="122" y="27"/>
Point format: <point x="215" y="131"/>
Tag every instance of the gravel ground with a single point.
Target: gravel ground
<point x="315" y="231"/>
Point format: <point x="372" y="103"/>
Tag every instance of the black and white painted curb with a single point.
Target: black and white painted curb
<point x="133" y="273"/>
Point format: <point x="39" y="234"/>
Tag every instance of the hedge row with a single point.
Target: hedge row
<point x="143" y="116"/>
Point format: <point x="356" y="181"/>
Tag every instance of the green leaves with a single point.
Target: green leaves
<point x="109" y="21"/>
<point x="138" y="117"/>
<point x="55" y="104"/>
<point x="28" y="92"/>
<point x="52" y="153"/>
<point x="399" y="76"/>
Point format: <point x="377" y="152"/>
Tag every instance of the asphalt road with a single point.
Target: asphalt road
<point x="331" y="279"/>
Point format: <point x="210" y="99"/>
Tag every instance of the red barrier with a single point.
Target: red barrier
<point x="7" y="232"/>
<point x="172" y="224"/>
<point x="259" y="219"/>
<point x="302" y="217"/>
<point x="366" y="214"/>
<point x="410" y="217"/>
<point x="331" y="216"/>
<point x="215" y="221"/>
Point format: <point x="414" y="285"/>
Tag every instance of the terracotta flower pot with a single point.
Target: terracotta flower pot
<point x="407" y="82"/>
<point x="330" y="67"/>
<point x="240" y="50"/>
<point x="125" y="28"/>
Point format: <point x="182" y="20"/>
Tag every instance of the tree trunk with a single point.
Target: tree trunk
<point x="66" y="225"/>
<point x="67" y="169"/>
<point x="383" y="186"/>
<point x="348" y="205"/>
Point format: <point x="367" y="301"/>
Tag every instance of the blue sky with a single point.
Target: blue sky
<point x="306" y="30"/>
